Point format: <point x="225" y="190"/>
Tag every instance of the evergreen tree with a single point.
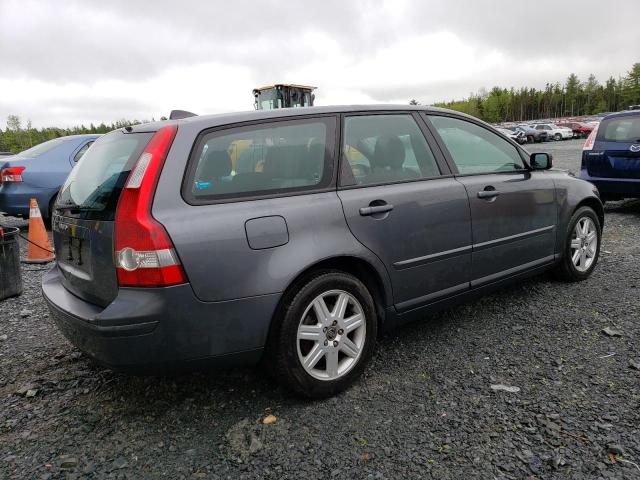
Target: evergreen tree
<point x="574" y="98"/>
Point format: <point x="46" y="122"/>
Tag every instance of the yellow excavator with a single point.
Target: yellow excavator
<point x="283" y="95"/>
<point x="280" y="95"/>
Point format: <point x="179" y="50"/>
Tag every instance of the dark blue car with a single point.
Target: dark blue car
<point x="611" y="156"/>
<point x="38" y="173"/>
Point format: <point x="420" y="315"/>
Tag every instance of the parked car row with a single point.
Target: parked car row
<point x="554" y="132"/>
<point x="533" y="135"/>
<point x="579" y="129"/>
<point x="516" y="135"/>
<point x="540" y="132"/>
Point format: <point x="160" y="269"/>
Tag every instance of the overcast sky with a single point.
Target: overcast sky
<point x="67" y="62"/>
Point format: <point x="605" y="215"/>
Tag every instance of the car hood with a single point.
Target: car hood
<point x="562" y="170"/>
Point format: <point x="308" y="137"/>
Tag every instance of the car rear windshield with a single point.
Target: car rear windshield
<point x="620" y="129"/>
<point x="94" y="185"/>
<point x="42" y="148"/>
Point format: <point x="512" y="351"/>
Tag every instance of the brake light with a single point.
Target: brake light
<point x="591" y="139"/>
<point x="144" y="253"/>
<point x="11" y="174"/>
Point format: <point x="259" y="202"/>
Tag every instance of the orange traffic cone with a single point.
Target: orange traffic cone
<point x="39" y="249"/>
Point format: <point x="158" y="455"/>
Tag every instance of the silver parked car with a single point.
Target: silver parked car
<point x="294" y="236"/>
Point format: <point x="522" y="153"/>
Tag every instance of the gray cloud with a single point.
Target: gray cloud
<point x="126" y="43"/>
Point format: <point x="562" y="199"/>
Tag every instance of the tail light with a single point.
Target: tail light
<point x="591" y="139"/>
<point x="11" y="174"/>
<point x="144" y="253"/>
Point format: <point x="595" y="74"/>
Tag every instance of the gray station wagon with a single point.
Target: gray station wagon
<point x="295" y="236"/>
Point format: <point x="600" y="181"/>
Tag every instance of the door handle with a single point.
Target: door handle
<point x="372" y="210"/>
<point x="488" y="193"/>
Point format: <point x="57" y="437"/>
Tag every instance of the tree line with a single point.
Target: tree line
<point x="16" y="137"/>
<point x="573" y="99"/>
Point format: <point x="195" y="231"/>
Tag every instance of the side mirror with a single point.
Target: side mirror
<point x="541" y="161"/>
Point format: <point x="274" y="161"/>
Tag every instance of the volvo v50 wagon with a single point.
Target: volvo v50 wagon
<point x="295" y="236"/>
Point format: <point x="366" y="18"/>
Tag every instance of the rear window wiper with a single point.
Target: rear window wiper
<point x="74" y="208"/>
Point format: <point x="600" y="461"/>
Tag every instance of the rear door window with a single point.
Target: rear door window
<point x="265" y="159"/>
<point x="621" y="129"/>
<point x="475" y="149"/>
<point x="81" y="152"/>
<point x="94" y="185"/>
<point x="385" y="149"/>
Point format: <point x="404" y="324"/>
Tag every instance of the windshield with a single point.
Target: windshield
<point x="42" y="148"/>
<point x="96" y="181"/>
<point x="269" y="99"/>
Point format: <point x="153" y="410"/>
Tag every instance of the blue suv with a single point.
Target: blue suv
<point x="611" y="156"/>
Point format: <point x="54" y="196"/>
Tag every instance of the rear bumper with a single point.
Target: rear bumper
<point x="622" y="187"/>
<point x="145" y="330"/>
<point x="15" y="198"/>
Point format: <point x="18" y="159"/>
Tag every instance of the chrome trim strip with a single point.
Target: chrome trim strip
<point x="434" y="257"/>
<point x="519" y="236"/>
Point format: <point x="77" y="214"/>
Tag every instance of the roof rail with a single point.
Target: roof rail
<point x="178" y="114"/>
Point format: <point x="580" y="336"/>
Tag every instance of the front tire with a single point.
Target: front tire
<point x="325" y="334"/>
<point x="557" y="137"/>
<point x="581" y="247"/>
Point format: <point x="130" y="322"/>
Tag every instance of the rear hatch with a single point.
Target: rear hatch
<point x="616" y="153"/>
<point x="83" y="222"/>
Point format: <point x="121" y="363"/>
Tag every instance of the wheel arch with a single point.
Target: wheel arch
<point x="595" y="205"/>
<point x="360" y="268"/>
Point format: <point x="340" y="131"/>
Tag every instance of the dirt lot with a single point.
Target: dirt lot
<point x="425" y="407"/>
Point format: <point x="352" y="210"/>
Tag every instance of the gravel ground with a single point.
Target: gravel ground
<point x="424" y="408"/>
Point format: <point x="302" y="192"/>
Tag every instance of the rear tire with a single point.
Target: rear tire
<point x="324" y="335"/>
<point x="581" y="247"/>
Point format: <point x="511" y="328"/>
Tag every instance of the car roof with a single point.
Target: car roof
<point x="626" y="113"/>
<point x="84" y="135"/>
<point x="247" y="116"/>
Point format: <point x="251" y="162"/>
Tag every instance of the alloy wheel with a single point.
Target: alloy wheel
<point x="331" y="335"/>
<point x="584" y="244"/>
